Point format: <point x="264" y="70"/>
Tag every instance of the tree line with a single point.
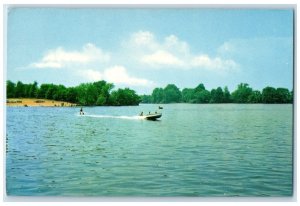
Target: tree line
<point x="243" y="94"/>
<point x="100" y="94"/>
<point x="88" y="94"/>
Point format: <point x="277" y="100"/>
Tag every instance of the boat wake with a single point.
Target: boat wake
<point x="114" y="117"/>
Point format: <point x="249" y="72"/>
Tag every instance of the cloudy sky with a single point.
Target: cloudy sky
<point x="147" y="48"/>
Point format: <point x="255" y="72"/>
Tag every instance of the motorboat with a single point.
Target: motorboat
<point x="153" y="116"/>
<point x="150" y="116"/>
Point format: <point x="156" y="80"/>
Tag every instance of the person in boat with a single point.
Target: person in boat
<point x="81" y="111"/>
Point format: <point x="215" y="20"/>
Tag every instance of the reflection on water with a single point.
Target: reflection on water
<point x="194" y="150"/>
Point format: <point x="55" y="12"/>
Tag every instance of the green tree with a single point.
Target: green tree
<point x="146" y="98"/>
<point x="283" y="95"/>
<point x="91" y="94"/>
<point x="226" y="95"/>
<point x="99" y="93"/>
<point x="242" y="93"/>
<point x="255" y="97"/>
<point x="42" y="91"/>
<point x="171" y="94"/>
<point x="269" y="95"/>
<point x="200" y="94"/>
<point x="157" y="95"/>
<point x="51" y="91"/>
<point x="20" y="89"/>
<point x="71" y="95"/>
<point x="27" y="90"/>
<point x="101" y="100"/>
<point x="96" y="93"/>
<point x="217" y="95"/>
<point x="60" y="93"/>
<point x="124" y="97"/>
<point x="200" y="88"/>
<point x="187" y="95"/>
<point x="114" y="99"/>
<point x="104" y="91"/>
<point x="203" y="96"/>
<point x="33" y="90"/>
<point x="10" y="89"/>
<point x="291" y="97"/>
<point x="81" y="91"/>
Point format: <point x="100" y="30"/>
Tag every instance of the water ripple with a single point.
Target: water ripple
<point x="195" y="150"/>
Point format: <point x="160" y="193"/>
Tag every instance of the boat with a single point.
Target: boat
<point x="159" y="107"/>
<point x="153" y="116"/>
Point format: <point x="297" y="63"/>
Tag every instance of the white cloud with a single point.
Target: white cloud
<point x="81" y="61"/>
<point x="116" y="74"/>
<point x="172" y="43"/>
<point x="173" y="52"/>
<point x="143" y="40"/>
<point x="161" y="58"/>
<point x="46" y="65"/>
<point x="59" y="57"/>
<point x="141" y="50"/>
<point x="143" y="37"/>
<point x="217" y="63"/>
<point x="90" y="74"/>
<point x="119" y="75"/>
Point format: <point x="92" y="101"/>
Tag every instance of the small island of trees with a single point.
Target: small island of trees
<point x="101" y="93"/>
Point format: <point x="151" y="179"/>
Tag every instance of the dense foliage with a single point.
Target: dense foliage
<point x="90" y="94"/>
<point x="100" y="93"/>
<point x="243" y="94"/>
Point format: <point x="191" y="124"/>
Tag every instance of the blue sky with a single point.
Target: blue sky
<point x="147" y="48"/>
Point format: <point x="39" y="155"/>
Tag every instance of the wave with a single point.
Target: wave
<point x="112" y="116"/>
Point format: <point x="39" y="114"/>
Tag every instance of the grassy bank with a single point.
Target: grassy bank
<point x="32" y="102"/>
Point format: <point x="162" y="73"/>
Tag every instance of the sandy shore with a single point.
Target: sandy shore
<point x="21" y="102"/>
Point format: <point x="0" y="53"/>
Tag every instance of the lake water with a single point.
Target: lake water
<point x="194" y="150"/>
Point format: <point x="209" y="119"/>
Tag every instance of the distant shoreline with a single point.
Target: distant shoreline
<point x="32" y="102"/>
